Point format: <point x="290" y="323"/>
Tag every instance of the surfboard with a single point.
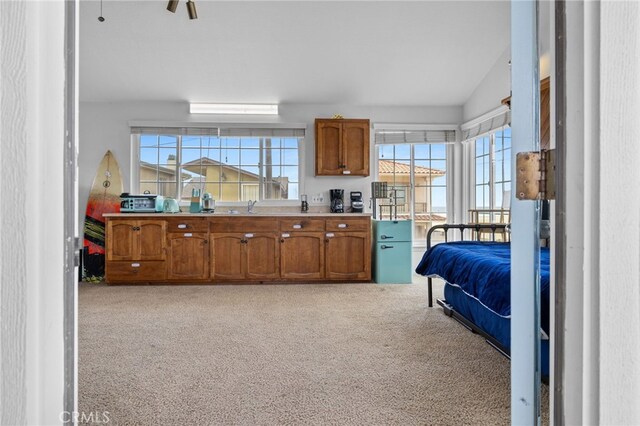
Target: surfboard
<point x="104" y="197"/>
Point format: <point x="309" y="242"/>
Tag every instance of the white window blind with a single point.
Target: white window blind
<point x="486" y="123"/>
<point x="263" y="132"/>
<point x="191" y="131"/>
<point x="230" y="130"/>
<point x="412" y="133"/>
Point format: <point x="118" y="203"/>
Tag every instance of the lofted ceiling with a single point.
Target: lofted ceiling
<point x="374" y="53"/>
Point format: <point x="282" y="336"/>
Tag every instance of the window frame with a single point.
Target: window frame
<point x="135" y="165"/>
<point x="473" y="184"/>
<point x="449" y="150"/>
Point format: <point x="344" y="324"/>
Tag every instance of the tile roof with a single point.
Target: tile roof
<point x="388" y="167"/>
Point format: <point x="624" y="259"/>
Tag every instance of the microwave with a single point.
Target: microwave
<point x="145" y="203"/>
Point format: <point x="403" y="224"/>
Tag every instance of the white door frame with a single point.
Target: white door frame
<point x="525" y="219"/>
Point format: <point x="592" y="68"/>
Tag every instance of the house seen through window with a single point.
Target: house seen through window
<point x="416" y="180"/>
<point x="230" y="168"/>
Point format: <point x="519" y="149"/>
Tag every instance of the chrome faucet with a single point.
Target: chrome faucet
<point x="250" y="206"/>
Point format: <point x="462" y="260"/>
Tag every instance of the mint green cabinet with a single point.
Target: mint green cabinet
<point x="392" y="252"/>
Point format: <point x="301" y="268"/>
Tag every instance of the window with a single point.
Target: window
<point x="230" y="167"/>
<point x="417" y="184"/>
<point x="492" y="177"/>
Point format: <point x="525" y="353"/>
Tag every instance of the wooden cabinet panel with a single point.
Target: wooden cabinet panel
<point x="136" y="240"/>
<point x="263" y="256"/>
<point x="121" y="239"/>
<point x="134" y="271"/>
<point x="328" y="148"/>
<point x="348" y="224"/>
<point x="190" y="224"/>
<point x="188" y="256"/>
<point x="301" y="224"/>
<point x="302" y="255"/>
<point x="355" y="147"/>
<point x="348" y="256"/>
<point x="342" y="147"/>
<point x="245" y="224"/>
<point x="151" y="239"/>
<point x="227" y="260"/>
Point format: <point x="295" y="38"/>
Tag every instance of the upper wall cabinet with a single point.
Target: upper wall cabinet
<point x="342" y="147"/>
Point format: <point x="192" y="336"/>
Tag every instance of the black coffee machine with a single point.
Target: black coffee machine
<point x="357" y="205"/>
<point x="337" y="200"/>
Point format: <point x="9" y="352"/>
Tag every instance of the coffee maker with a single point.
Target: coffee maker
<point x="357" y="205"/>
<point x="337" y="200"/>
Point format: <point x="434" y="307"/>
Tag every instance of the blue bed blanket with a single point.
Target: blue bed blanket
<point x="482" y="270"/>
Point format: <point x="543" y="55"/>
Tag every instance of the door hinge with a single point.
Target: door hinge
<point x="536" y="175"/>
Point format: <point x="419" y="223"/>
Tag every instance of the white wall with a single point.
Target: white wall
<point x="495" y="86"/>
<point x="104" y="126"/>
<point x="601" y="383"/>
<point x="31" y="220"/>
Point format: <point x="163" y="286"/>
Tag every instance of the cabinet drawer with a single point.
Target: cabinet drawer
<point x="301" y="224"/>
<point x="348" y="224"/>
<point x="192" y="224"/>
<point x="245" y="224"/>
<point x="136" y="271"/>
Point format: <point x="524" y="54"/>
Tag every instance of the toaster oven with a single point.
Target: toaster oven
<point x="145" y="203"/>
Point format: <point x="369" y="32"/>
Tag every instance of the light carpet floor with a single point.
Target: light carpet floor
<point x="338" y="354"/>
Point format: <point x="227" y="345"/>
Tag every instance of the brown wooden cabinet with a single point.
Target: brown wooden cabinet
<point x="135" y="250"/>
<point x="245" y="256"/>
<point x="188" y="256"/>
<point x="302" y="255"/>
<point x="245" y="249"/>
<point x="221" y="249"/>
<point x="188" y="248"/>
<point x="342" y="147"/>
<point x="348" y="255"/>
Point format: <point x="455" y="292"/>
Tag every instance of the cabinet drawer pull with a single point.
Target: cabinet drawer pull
<point x="248" y="235"/>
<point x="384" y="237"/>
<point x="183" y="226"/>
<point x="286" y="235"/>
<point x="135" y="265"/>
<point x="342" y="225"/>
<point x="346" y="172"/>
<point x="297" y="226"/>
<point x="188" y="234"/>
<point x="330" y="235"/>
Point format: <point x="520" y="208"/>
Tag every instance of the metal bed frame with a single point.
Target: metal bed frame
<point x="478" y="228"/>
<point x="493" y="229"/>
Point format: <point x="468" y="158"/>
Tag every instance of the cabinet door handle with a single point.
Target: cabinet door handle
<point x="383" y="247"/>
<point x="384" y="237"/>
<point x="282" y="240"/>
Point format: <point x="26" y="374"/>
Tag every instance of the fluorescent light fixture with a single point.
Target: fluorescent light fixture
<point x="205" y="108"/>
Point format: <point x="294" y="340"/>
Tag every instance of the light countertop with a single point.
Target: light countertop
<point x="226" y="213"/>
